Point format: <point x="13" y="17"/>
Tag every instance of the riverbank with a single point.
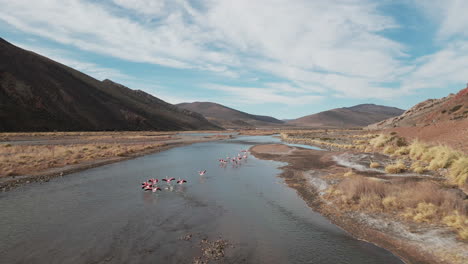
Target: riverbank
<point x="317" y="177"/>
<point x="39" y="157"/>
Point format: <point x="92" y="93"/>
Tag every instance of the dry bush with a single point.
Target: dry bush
<point x="417" y="149"/>
<point x="441" y="157"/>
<point x="458" y="172"/>
<point x="374" y="165"/>
<point x="424" y="212"/>
<point x="379" y="141"/>
<point x="391" y="202"/>
<point x="389" y="149"/>
<point x="402" y="151"/>
<point x="459" y="223"/>
<point x="396" y="168"/>
<point x="418" y="167"/>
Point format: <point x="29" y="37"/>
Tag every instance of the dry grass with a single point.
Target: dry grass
<point x="459" y="223"/>
<point x="389" y="150"/>
<point x="374" y="165"/>
<point x="398" y="167"/>
<point x="425" y="157"/>
<point x="379" y="141"/>
<point x="424" y="212"/>
<point x="458" y="173"/>
<point x="416" y="201"/>
<point x="24" y="159"/>
<point x="402" y="151"/>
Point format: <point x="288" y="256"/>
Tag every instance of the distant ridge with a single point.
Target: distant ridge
<point x="39" y="94"/>
<point x="347" y="117"/>
<point x="228" y="117"/>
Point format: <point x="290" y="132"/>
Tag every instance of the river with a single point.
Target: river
<point x="101" y="215"/>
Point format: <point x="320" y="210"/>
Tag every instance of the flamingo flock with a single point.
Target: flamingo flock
<point x="235" y="160"/>
<point x="152" y="184"/>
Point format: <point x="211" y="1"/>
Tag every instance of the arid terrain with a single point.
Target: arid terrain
<point x="402" y="194"/>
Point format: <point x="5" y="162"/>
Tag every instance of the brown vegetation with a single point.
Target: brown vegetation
<point x="415" y="201"/>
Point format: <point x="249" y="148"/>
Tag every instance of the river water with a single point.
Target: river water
<point x="102" y="216"/>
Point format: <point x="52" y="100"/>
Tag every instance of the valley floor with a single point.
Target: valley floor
<point x="38" y="157"/>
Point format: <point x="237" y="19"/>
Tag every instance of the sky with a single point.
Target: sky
<point x="283" y="58"/>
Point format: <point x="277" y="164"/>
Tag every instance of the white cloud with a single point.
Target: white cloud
<point x="63" y="57"/>
<point x="256" y="95"/>
<point x="333" y="47"/>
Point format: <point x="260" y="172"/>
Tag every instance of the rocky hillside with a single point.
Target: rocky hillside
<point x="347" y="117"/>
<point x="452" y="107"/>
<point x="228" y="117"/>
<point x="39" y="94"/>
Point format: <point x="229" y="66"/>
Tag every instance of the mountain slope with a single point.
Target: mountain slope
<point x="228" y="117"/>
<point x="439" y="121"/>
<point x="355" y="116"/>
<point x="451" y="107"/>
<point x="39" y="94"/>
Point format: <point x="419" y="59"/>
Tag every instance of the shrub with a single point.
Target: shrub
<point x="441" y="157"/>
<point x="379" y="141"/>
<point x="458" y="172"/>
<point x="418" y="167"/>
<point x="395" y="168"/>
<point x="417" y="149"/>
<point x="374" y="165"/>
<point x="425" y="212"/>
<point x="390" y="202"/>
<point x="389" y="150"/>
<point x="459" y="223"/>
<point x="402" y="151"/>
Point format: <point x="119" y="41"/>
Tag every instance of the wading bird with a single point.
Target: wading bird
<point x="168" y="180"/>
<point x="202" y="172"/>
<point x="181" y="181"/>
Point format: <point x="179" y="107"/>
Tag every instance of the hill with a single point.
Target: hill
<point x="451" y="107"/>
<point x="228" y="117"/>
<point x="39" y="94"/>
<point x="443" y="120"/>
<point x="347" y="117"/>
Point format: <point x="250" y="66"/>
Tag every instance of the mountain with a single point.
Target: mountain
<point x="39" y="94"/>
<point x="442" y="121"/>
<point x="452" y="107"/>
<point x="346" y="117"/>
<point x="228" y="117"/>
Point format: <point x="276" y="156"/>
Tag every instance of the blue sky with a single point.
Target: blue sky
<point x="284" y="58"/>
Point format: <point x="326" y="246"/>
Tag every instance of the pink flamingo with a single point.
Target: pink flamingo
<point x="145" y="185"/>
<point x="156" y="188"/>
<point x="154" y="181"/>
<point x="181" y="181"/>
<point x="168" y="180"/>
<point x="202" y="172"/>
